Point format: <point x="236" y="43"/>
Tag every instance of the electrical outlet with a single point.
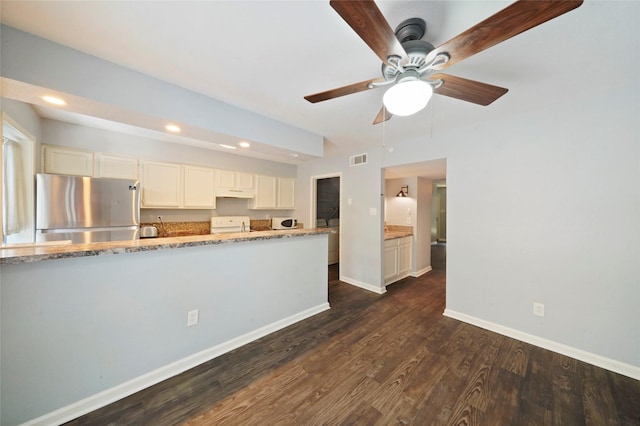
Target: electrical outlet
<point x="538" y="309"/>
<point x="192" y="318"/>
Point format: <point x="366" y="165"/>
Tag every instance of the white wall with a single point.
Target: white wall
<point x="398" y="210"/>
<point x="422" y="227"/>
<point x="361" y="234"/>
<point x="544" y="207"/>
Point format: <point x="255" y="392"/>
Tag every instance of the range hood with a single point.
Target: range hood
<point x="235" y="193"/>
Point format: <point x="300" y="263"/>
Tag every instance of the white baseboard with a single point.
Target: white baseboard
<point x="130" y="387"/>
<point x="421" y="272"/>
<point x="588" y="357"/>
<point x="365" y="286"/>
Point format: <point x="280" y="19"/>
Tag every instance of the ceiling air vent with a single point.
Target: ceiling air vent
<point x="358" y="160"/>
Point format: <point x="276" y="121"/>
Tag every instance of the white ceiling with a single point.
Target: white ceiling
<point x="264" y="56"/>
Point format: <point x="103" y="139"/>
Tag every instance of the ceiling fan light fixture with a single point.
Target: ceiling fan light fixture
<point x="407" y="97"/>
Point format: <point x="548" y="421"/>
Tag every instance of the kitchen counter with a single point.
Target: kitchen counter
<point x="392" y="235"/>
<point x="50" y="252"/>
<point x="391" y="232"/>
<point x="95" y="328"/>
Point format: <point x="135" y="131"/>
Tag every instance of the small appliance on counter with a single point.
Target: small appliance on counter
<point x="229" y="224"/>
<point x="148" y="232"/>
<point x="284" y="223"/>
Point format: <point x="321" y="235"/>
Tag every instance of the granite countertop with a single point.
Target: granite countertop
<point x="392" y="235"/>
<point x="50" y="252"/>
<point x="391" y="232"/>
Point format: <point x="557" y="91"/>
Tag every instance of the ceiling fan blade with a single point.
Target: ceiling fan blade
<point x="369" y="23"/>
<point x="510" y="21"/>
<point x="467" y="90"/>
<point x="383" y="115"/>
<point x="342" y="91"/>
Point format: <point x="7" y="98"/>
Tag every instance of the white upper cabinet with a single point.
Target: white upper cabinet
<point x="66" y="161"/>
<point x="161" y="184"/>
<point x="266" y="192"/>
<point x="115" y="166"/>
<point x="273" y="193"/>
<point x="286" y="193"/>
<point x="230" y="183"/>
<point x="199" y="187"/>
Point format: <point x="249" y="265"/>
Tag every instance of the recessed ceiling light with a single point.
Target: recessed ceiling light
<point x="227" y="146"/>
<point x="172" y="128"/>
<point x="53" y="100"/>
<point x="244" y="144"/>
<point x="293" y="155"/>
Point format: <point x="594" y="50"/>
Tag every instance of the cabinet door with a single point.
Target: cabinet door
<point x="404" y="257"/>
<point x="66" y="161"/>
<point x="226" y="179"/>
<point x="244" y="180"/>
<point x="286" y="193"/>
<point x="199" y="187"/>
<point x="266" y="188"/>
<point x="116" y="166"/>
<point x="161" y="184"/>
<point x="390" y="261"/>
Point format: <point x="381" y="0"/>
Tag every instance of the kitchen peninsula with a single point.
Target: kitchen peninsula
<point x="84" y="325"/>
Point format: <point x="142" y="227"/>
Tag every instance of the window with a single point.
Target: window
<point x="17" y="186"/>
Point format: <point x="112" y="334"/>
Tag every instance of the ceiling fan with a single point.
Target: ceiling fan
<point x="410" y="64"/>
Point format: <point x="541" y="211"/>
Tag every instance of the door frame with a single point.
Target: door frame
<point x="314" y="203"/>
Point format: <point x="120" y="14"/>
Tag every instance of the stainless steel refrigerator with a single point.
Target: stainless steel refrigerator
<point x="85" y="210"/>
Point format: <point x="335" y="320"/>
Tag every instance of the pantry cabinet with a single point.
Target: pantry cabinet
<point x="397" y="259"/>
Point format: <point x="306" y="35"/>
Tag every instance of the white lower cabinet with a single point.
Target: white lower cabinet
<point x="397" y="259"/>
<point x="161" y="185"/>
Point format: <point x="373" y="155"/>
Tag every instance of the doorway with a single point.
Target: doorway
<point x="326" y="211"/>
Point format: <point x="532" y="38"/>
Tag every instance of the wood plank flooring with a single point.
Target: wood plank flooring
<point x="383" y="360"/>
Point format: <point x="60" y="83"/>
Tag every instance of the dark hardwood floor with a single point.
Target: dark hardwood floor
<point x="390" y="359"/>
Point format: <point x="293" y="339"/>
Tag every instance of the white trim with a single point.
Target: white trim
<point x="369" y="287"/>
<point x="421" y="272"/>
<point x="588" y="357"/>
<point x="151" y="378"/>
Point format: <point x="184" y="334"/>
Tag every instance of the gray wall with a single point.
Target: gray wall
<point x="37" y="61"/>
<point x="74" y="327"/>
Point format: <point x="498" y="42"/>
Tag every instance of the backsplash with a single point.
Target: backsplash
<point x="182" y="229"/>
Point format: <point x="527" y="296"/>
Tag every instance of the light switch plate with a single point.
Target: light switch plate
<point x="373" y="211"/>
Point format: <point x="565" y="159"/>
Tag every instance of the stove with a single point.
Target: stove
<point x="229" y="224"/>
